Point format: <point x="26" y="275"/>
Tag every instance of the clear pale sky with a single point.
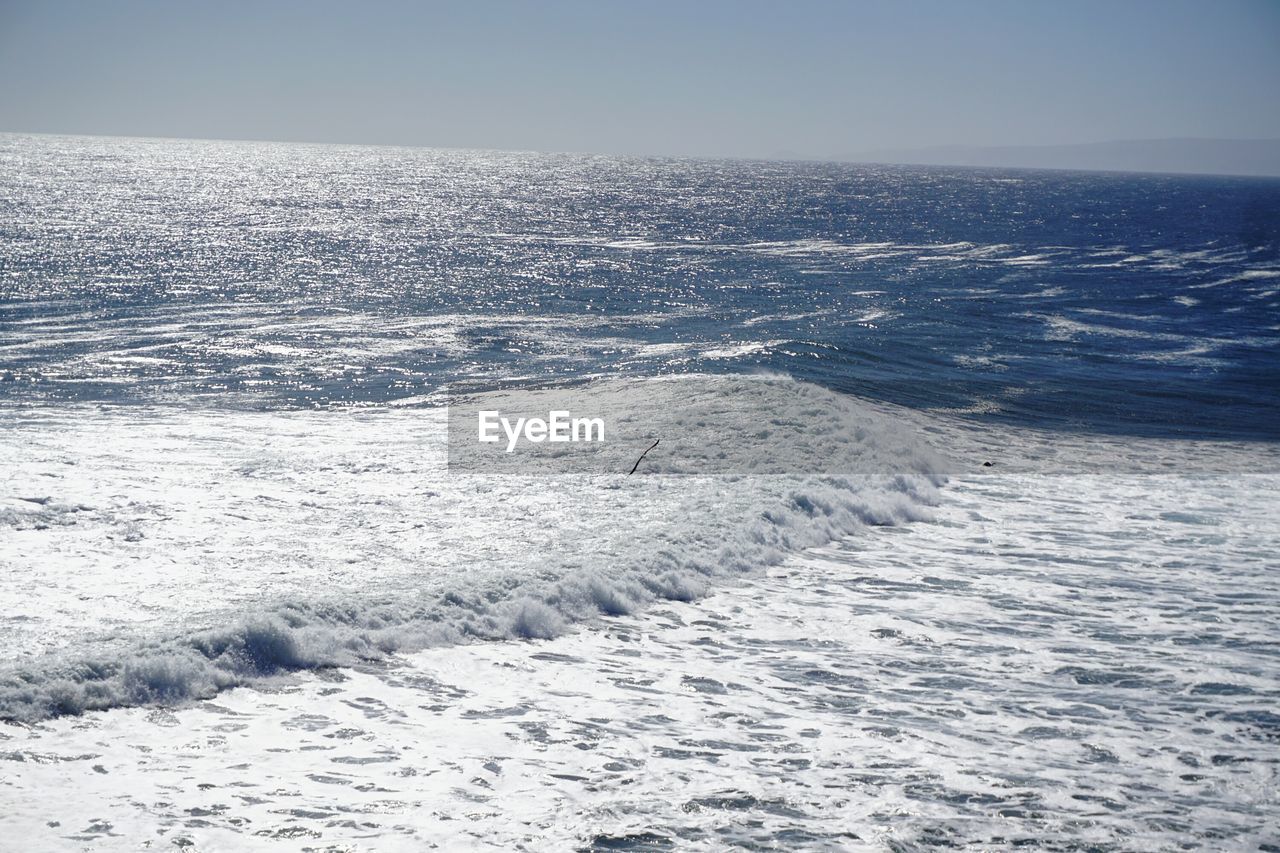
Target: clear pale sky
<point x="706" y="77"/>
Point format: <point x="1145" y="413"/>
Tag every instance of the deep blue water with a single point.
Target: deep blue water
<point x="262" y="275"/>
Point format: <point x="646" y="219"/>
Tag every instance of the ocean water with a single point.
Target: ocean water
<point x="248" y="602"/>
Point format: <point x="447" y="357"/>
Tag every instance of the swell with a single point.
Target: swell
<point x="666" y="536"/>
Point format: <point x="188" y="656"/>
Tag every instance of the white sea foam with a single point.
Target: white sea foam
<point x="1076" y="653"/>
<point x="740" y="349"/>
<point x="180" y="552"/>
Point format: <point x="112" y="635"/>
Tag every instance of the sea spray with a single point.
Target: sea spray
<point x="450" y="555"/>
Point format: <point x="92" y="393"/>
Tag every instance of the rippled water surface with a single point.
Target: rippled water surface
<point x="996" y="566"/>
<point x="315" y="275"/>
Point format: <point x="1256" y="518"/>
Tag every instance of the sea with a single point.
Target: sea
<point x="963" y="531"/>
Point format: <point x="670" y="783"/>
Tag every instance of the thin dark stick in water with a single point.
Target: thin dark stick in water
<point x="643" y="455"/>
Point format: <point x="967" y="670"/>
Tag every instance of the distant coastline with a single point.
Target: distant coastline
<point x="1250" y="157"/>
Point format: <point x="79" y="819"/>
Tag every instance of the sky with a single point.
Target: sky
<point x="801" y="78"/>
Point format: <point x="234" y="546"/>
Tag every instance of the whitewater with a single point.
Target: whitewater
<point x="962" y="529"/>
<point x="318" y="539"/>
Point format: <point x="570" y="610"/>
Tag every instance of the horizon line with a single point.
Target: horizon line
<point x="789" y="157"/>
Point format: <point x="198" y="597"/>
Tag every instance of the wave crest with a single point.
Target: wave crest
<point x="556" y="552"/>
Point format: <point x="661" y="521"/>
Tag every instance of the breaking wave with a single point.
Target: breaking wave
<point x="474" y="556"/>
